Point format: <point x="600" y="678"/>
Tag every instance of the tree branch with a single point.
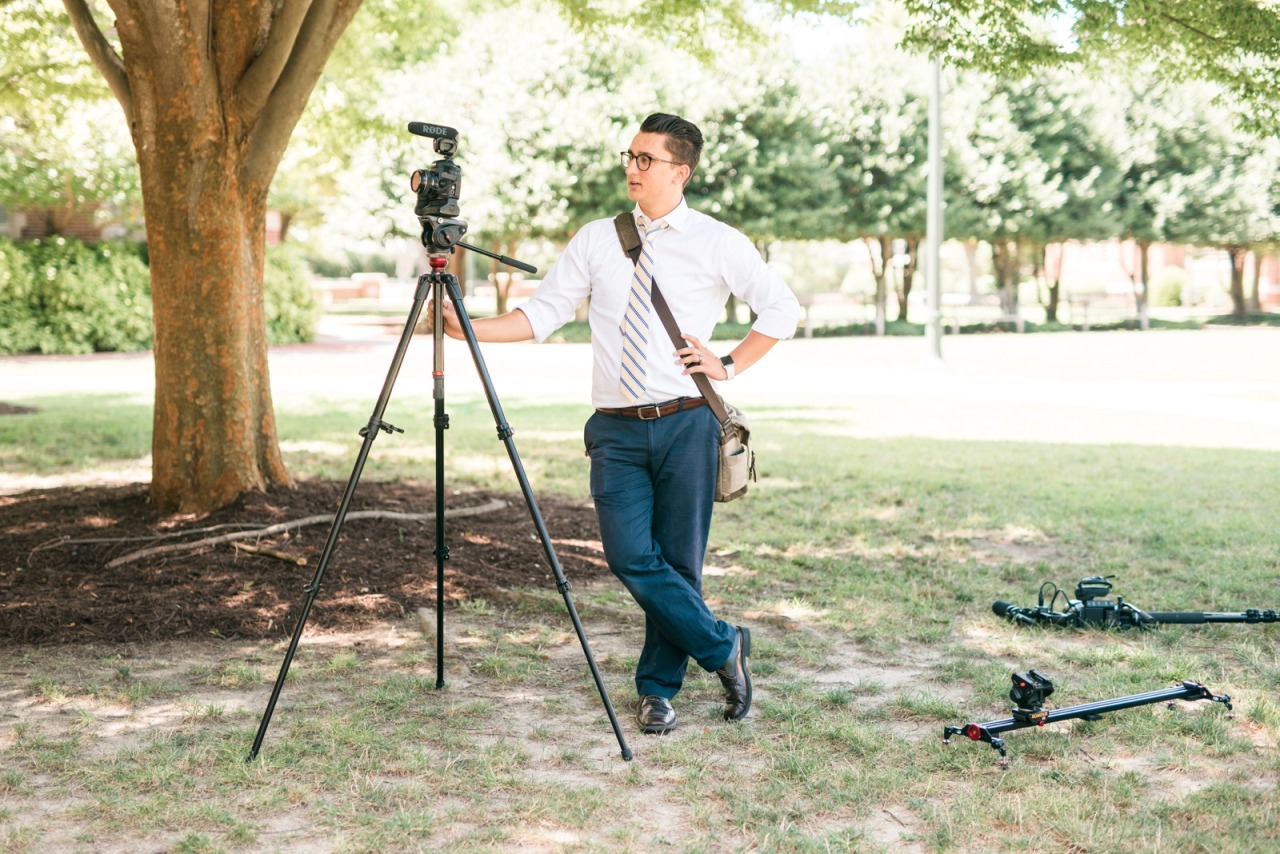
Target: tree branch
<point x="1191" y="28"/>
<point x="102" y="53"/>
<point x="496" y="504"/>
<point x="254" y="86"/>
<point x="324" y="24"/>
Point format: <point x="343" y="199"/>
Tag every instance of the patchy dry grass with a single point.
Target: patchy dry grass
<point x="866" y="564"/>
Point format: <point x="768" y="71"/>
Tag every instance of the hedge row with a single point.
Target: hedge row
<point x="63" y="296"/>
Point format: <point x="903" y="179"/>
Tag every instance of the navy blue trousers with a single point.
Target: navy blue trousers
<point x="653" y="483"/>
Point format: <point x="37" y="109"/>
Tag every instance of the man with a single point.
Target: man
<point x="653" y="443"/>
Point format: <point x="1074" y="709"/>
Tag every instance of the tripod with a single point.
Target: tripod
<point x="441" y="284"/>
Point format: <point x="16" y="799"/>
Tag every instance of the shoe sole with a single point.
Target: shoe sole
<point x="657" y="730"/>
<point x="746" y="669"/>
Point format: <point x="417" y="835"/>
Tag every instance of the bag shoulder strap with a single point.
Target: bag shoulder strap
<point x="629" y="237"/>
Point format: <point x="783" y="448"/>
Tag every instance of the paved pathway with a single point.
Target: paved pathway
<point x="1212" y="388"/>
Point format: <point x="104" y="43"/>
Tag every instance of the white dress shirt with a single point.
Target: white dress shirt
<point x="698" y="262"/>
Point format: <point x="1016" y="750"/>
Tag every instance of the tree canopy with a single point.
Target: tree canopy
<point x="1235" y="43"/>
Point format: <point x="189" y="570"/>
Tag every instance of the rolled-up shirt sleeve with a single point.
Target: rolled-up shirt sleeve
<point x="761" y="287"/>
<point x="562" y="290"/>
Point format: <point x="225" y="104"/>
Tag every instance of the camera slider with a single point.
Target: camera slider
<point x="1030" y="690"/>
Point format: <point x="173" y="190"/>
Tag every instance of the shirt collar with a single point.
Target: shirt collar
<point x="677" y="219"/>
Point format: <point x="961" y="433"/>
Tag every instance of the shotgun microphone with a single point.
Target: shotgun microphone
<point x="1012" y="612"/>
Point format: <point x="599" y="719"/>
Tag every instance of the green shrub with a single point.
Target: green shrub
<point x="64" y="296"/>
<point x="291" y="307"/>
<point x="1167" y="286"/>
<point x="19" y="323"/>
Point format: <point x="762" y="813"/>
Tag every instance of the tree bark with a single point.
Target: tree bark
<point x="212" y="92"/>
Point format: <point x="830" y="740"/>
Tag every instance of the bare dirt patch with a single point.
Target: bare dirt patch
<point x="55" y="545"/>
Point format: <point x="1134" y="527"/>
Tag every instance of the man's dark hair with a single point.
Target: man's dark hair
<point x="683" y="137"/>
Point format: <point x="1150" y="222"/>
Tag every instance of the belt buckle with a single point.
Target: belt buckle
<point x="657" y="412"/>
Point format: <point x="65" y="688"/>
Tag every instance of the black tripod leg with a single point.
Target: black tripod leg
<point x="369" y="432"/>
<point x="441" y="424"/>
<point x="505" y="433"/>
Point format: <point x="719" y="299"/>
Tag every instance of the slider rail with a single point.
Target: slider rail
<point x="1024" y="718"/>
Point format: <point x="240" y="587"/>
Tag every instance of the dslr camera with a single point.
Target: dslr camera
<point x="438" y="189"/>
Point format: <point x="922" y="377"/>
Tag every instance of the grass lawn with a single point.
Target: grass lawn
<point x="866" y="562"/>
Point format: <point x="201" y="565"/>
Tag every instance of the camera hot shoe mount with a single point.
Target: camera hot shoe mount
<point x="1030" y="690"/>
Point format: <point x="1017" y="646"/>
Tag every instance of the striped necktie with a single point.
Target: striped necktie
<point x="635" y="321"/>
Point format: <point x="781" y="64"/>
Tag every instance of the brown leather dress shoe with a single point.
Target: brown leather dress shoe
<point x="656" y="715"/>
<point x="735" y="676"/>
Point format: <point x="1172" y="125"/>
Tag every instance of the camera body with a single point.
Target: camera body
<point x="1093" y="611"/>
<point x="438" y="189"/>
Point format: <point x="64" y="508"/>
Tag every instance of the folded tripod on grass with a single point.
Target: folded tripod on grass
<point x="1030" y="690"/>
<point x="1087" y="610"/>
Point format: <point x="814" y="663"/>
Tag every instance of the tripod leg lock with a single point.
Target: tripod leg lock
<point x="374" y="426"/>
<point x="441" y="422"/>
<point x="505" y="432"/>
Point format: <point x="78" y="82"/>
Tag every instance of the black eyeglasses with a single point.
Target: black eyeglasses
<point x="644" y="161"/>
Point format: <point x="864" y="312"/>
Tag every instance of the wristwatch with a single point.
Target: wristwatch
<point x="727" y="361"/>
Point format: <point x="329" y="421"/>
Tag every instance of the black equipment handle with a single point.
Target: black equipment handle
<point x="1253" y="615"/>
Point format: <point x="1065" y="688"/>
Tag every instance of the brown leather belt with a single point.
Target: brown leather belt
<point x="653" y="411"/>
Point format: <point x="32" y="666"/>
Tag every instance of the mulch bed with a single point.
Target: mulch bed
<point x="55" y="591"/>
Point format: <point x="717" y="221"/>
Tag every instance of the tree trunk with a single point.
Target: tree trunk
<point x="211" y="93"/>
<point x="908" y="276"/>
<point x="214" y="426"/>
<point x="1052" y="280"/>
<point x="1237" y="255"/>
<point x="1255" y="296"/>
<point x="501" y="279"/>
<point x="879" y="273"/>
<point x="1144" y="292"/>
<point x="971" y="261"/>
<point x="1005" y="258"/>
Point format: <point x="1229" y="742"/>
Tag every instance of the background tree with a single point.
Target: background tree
<point x="875" y="118"/>
<point x="1235" y="43"/>
<point x="1160" y="139"/>
<point x="1226" y="203"/>
<point x="62" y="151"/>
<point x="766" y="170"/>
<point x="1002" y="187"/>
<point x="1063" y="115"/>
